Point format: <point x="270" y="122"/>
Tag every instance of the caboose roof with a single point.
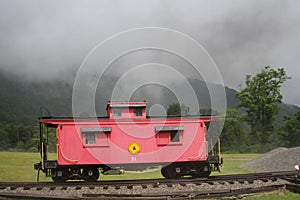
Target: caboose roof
<point x="131" y="104"/>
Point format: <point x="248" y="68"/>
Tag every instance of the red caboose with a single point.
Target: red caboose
<point x="126" y="139"/>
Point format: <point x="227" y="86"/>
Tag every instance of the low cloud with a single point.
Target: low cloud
<point x="47" y="40"/>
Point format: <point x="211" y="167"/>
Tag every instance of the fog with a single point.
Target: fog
<point x="49" y="40"/>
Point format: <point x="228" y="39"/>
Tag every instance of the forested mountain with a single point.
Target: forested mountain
<point x="21" y="101"/>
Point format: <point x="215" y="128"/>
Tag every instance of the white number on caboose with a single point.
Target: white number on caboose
<point x="133" y="158"/>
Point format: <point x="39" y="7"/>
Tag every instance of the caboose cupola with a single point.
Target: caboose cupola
<point x="125" y="110"/>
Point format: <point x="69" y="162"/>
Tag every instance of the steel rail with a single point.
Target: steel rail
<point x="225" y="185"/>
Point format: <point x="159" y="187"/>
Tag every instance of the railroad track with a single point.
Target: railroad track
<point x="213" y="186"/>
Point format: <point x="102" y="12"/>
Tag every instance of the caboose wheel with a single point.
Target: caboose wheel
<point x="201" y="170"/>
<point x="61" y="175"/>
<point x="58" y="179"/>
<point x="164" y="172"/>
<point x="91" y="174"/>
<point x="201" y="174"/>
<point x="171" y="171"/>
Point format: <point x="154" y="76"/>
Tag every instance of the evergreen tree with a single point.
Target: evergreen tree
<point x="176" y="109"/>
<point x="260" y="98"/>
<point x="291" y="130"/>
<point x="233" y="136"/>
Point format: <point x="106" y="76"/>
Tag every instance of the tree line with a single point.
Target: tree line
<point x="21" y="137"/>
<point x="18" y="137"/>
<point x="252" y="126"/>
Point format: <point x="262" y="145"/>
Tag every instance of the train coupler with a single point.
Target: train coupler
<point x="37" y="166"/>
<point x="215" y="162"/>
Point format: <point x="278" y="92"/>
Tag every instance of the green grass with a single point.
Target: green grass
<point x="277" y="196"/>
<point x="246" y="157"/>
<point x="18" y="166"/>
<point x="232" y="163"/>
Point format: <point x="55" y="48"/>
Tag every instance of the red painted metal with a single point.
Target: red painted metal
<point x="107" y="140"/>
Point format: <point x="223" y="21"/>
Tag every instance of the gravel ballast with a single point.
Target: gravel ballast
<point x="280" y="159"/>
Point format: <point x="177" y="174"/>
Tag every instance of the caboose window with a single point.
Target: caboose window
<point x="117" y="111"/>
<point x="138" y="112"/>
<point x="174" y="136"/>
<point x="90" y="138"/>
<point x="169" y="135"/>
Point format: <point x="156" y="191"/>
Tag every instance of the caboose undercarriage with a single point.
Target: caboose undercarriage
<point x="91" y="173"/>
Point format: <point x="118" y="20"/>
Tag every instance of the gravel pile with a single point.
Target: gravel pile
<point x="280" y="159"/>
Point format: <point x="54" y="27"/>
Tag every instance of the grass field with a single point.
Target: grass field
<point x="18" y="166"/>
<point x="275" y="195"/>
<point x="232" y="163"/>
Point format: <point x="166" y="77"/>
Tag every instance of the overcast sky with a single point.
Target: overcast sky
<point x="43" y="40"/>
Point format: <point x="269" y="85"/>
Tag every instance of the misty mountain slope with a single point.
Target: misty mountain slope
<point x="21" y="101"/>
<point x="164" y="96"/>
